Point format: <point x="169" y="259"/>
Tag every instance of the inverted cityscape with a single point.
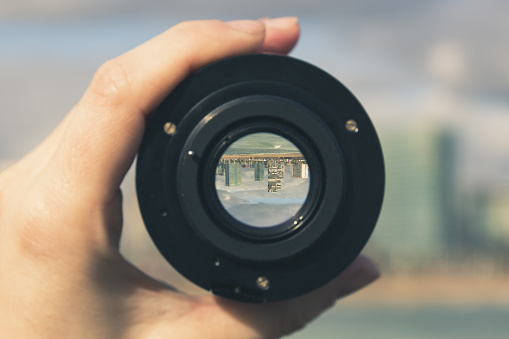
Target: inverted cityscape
<point x="262" y="179"/>
<point x="274" y="164"/>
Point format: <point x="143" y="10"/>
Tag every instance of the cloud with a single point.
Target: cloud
<point x="447" y="62"/>
<point x="252" y="204"/>
<point x="263" y="215"/>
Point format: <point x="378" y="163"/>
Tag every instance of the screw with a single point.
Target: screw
<point x="191" y="153"/>
<point x="170" y="128"/>
<point x="351" y="126"/>
<point x="263" y="283"/>
<point x="217" y="263"/>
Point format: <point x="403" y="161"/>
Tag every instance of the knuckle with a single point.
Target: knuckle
<point x="191" y="31"/>
<point x="196" y="26"/>
<point x="110" y="85"/>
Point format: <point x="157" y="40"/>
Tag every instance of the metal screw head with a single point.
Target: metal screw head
<point x="190" y="153"/>
<point x="263" y="283"/>
<point x="351" y="126"/>
<point x="170" y="128"/>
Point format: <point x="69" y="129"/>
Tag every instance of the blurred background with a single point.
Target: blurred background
<point x="434" y="77"/>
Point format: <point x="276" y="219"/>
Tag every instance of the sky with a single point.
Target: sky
<point x="410" y="63"/>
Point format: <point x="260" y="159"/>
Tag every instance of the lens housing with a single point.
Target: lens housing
<point x="208" y="112"/>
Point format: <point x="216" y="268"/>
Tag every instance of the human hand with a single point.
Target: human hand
<point x="61" y="274"/>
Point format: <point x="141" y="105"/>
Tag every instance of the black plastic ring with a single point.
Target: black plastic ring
<point x="223" y="102"/>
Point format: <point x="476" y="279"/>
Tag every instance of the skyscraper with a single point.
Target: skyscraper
<point x="300" y="170"/>
<point x="220" y="168"/>
<point x="274" y="182"/>
<point x="259" y="169"/>
<point x="233" y="174"/>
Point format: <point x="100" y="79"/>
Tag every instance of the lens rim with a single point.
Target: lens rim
<point x="277" y="231"/>
<point x="234" y="274"/>
<point x="197" y="195"/>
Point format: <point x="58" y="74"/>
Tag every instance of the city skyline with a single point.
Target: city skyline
<point x="230" y="166"/>
<point x="265" y="192"/>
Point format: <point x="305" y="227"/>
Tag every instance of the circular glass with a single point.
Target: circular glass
<point x="262" y="179"/>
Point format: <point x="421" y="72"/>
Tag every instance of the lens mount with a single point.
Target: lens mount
<point x="209" y="112"/>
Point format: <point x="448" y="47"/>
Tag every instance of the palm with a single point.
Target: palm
<point x="61" y="274"/>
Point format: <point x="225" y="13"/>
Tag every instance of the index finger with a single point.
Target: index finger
<point x="104" y="130"/>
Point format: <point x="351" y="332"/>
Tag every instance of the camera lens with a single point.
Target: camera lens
<point x="262" y="180"/>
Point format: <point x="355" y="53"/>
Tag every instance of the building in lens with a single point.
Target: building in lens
<point x="300" y="170"/>
<point x="233" y="174"/>
<point x="275" y="176"/>
<point x="220" y="168"/>
<point x="259" y="169"/>
<point x="281" y="170"/>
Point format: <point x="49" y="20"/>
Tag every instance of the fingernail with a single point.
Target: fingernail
<point x="283" y="22"/>
<point x="246" y="26"/>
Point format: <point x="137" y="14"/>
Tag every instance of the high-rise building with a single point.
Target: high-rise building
<point x="259" y="169"/>
<point x="274" y="181"/>
<point x="281" y="170"/>
<point x="220" y="168"/>
<point x="494" y="216"/>
<point x="233" y="174"/>
<point x="300" y="170"/>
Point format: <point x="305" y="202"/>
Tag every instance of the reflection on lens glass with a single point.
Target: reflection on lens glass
<point x="262" y="179"/>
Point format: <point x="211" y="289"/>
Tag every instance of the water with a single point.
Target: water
<point x="425" y="322"/>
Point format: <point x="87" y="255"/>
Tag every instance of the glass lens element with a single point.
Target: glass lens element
<point x="262" y="179"/>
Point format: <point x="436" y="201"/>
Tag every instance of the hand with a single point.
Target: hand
<point x="61" y="274"/>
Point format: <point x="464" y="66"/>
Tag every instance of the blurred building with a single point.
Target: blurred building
<point x="497" y="217"/>
<point x="429" y="218"/>
<point x="418" y="224"/>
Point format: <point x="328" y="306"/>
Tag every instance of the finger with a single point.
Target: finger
<point x="282" y="318"/>
<point x="278" y="37"/>
<point x="106" y="127"/>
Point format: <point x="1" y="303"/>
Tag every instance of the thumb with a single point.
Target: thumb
<point x="282" y="318"/>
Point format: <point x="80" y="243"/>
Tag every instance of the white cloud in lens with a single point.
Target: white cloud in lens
<point x="252" y="204"/>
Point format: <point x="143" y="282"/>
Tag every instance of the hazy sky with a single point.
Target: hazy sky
<point x="411" y="63"/>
